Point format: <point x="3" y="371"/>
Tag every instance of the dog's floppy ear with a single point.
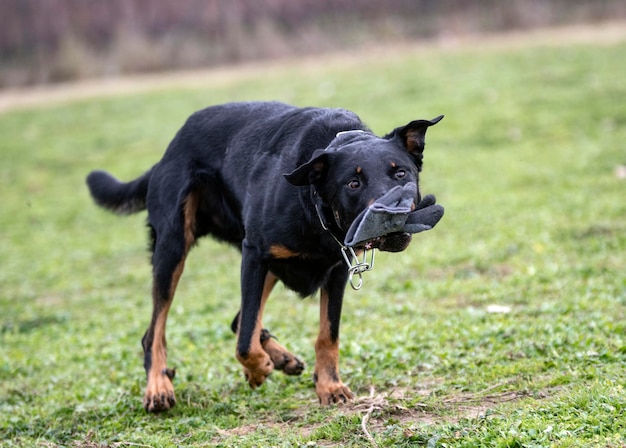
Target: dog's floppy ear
<point x="412" y="136"/>
<point x="312" y="172"/>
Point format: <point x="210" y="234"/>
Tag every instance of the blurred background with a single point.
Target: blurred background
<point x="50" y="41"/>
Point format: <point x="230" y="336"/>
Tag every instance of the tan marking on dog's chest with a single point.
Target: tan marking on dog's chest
<point x="282" y="252"/>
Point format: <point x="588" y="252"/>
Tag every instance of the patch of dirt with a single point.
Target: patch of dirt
<point x="49" y="95"/>
<point x="240" y="431"/>
<point x="450" y="410"/>
<point x="378" y="409"/>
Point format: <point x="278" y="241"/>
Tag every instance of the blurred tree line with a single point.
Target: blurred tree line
<point x="44" y="41"/>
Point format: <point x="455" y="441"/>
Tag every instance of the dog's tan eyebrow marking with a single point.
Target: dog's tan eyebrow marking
<point x="393" y="165"/>
<point x="359" y="169"/>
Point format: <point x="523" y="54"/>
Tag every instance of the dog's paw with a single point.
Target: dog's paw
<point x="159" y="394"/>
<point x="330" y="389"/>
<point x="289" y="364"/>
<point x="256" y="375"/>
<point x="281" y="358"/>
<point x="333" y="393"/>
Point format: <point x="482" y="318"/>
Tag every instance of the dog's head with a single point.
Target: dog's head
<point x="358" y="167"/>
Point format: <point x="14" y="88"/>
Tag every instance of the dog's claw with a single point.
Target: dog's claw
<point x="334" y="395"/>
<point x="159" y="396"/>
<point x="159" y="403"/>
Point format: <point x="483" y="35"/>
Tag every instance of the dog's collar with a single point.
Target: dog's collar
<point x="347" y="252"/>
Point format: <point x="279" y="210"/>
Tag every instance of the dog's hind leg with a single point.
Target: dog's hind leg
<point x="281" y="357"/>
<point x="328" y="385"/>
<point x="171" y="245"/>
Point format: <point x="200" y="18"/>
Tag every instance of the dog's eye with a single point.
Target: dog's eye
<point x="354" y="184"/>
<point x="400" y="174"/>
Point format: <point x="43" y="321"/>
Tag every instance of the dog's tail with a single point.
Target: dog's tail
<point x="119" y="197"/>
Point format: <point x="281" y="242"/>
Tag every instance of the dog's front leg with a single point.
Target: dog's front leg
<point x="256" y="285"/>
<point x="328" y="385"/>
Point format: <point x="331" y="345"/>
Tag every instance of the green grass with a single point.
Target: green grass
<point x="535" y="221"/>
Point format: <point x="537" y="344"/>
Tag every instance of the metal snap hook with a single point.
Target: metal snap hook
<point x="351" y="279"/>
<point x="355" y="266"/>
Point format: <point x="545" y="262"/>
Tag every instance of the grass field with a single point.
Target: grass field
<point x="503" y="327"/>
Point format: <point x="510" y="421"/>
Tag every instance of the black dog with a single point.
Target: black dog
<point x="224" y="174"/>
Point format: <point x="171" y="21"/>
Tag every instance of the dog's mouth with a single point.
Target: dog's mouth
<point x="388" y="223"/>
<point x="393" y="242"/>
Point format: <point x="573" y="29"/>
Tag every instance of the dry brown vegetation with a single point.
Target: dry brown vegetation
<point x="59" y="40"/>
